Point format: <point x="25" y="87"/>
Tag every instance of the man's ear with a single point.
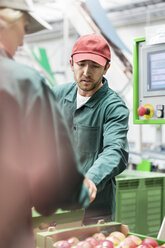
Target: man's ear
<point x="71" y="63"/>
<point x="106" y="68"/>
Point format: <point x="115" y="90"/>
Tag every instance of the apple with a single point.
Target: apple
<point x="150" y="241"/>
<point x="93" y="241"/>
<point x="144" y="246"/>
<point x="118" y="234"/>
<point x="62" y="243"/>
<point x="127" y="243"/>
<point x="136" y="239"/>
<point x="73" y="241"/>
<point x="114" y="240"/>
<point x="106" y="243"/>
<point x="84" y="244"/>
<point x="99" y="236"/>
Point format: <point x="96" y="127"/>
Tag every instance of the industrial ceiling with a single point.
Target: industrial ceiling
<point x="119" y="12"/>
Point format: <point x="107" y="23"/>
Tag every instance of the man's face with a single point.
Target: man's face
<point x="88" y="76"/>
<point x="15" y="33"/>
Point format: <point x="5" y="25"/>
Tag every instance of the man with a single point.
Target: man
<point x="37" y="163"/>
<point x="98" y="119"/>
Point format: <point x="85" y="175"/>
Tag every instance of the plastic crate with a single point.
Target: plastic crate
<point x="46" y="239"/>
<point x="59" y="219"/>
<point x="145" y="165"/>
<point x="140" y="201"/>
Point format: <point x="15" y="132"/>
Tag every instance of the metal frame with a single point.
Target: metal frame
<point x="136" y="119"/>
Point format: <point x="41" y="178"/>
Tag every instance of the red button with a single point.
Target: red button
<point x="142" y="111"/>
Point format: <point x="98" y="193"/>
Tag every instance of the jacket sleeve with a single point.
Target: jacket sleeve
<point x="113" y="158"/>
<point x="55" y="180"/>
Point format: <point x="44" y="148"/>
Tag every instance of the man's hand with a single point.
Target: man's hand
<point x="91" y="187"/>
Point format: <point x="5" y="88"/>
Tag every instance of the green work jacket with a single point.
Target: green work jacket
<point x="37" y="161"/>
<point x="99" y="130"/>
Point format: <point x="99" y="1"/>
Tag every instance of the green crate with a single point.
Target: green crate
<point x="59" y="219"/>
<point x="145" y="165"/>
<point x="46" y="239"/>
<point x="140" y="201"/>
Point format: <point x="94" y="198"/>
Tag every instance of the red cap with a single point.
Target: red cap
<point x="91" y="47"/>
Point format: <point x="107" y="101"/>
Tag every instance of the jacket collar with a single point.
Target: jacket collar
<point x="71" y="96"/>
<point x="4" y="53"/>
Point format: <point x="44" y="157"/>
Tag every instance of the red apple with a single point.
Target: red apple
<point x="144" y="246"/>
<point x="84" y="244"/>
<point x="114" y="240"/>
<point x="136" y="239"/>
<point x="127" y="243"/>
<point x="93" y="241"/>
<point x="118" y="234"/>
<point x="62" y="243"/>
<point x="99" y="236"/>
<point x="73" y="241"/>
<point x="106" y="243"/>
<point x="150" y="241"/>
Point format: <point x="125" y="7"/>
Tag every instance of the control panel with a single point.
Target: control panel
<point x="149" y="83"/>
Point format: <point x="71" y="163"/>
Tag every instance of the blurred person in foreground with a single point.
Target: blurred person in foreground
<point x="37" y="163"/>
<point x="98" y="119"/>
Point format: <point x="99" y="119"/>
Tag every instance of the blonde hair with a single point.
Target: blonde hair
<point x="9" y="16"/>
